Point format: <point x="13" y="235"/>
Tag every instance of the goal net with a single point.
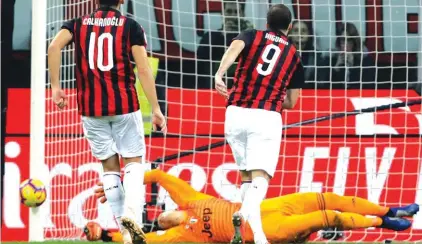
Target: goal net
<point x="355" y="131"/>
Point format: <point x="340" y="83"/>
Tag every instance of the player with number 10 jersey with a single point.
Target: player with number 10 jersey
<point x="105" y="43"/>
<point x="104" y="73"/>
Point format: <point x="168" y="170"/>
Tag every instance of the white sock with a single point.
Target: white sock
<point x="113" y="190"/>
<point x="251" y="207"/>
<point x="243" y="188"/>
<point x="133" y="183"/>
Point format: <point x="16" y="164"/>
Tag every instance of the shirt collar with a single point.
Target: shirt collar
<point x="277" y="32"/>
<point x="105" y="8"/>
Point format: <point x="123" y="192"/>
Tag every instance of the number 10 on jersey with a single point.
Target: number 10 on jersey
<point x="100" y="52"/>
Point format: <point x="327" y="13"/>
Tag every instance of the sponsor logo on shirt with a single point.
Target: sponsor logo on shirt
<point x="206" y="217"/>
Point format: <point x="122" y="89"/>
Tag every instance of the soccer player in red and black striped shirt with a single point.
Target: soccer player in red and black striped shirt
<point x="105" y="43"/>
<point x="268" y="79"/>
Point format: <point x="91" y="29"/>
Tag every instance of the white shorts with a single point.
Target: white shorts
<point x="119" y="134"/>
<point x="254" y="136"/>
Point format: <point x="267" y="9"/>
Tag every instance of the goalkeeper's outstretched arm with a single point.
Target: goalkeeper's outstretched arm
<point x="180" y="191"/>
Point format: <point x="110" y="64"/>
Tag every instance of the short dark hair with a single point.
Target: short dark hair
<point x="109" y="2"/>
<point x="279" y="17"/>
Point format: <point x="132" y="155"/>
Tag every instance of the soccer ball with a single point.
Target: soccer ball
<point x="32" y="192"/>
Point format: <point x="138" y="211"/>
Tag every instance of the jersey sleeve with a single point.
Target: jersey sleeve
<point x="298" y="78"/>
<point x="137" y="35"/>
<point x="70" y="26"/>
<point x="246" y="36"/>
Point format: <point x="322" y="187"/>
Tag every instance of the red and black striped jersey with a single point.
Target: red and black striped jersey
<point x="105" y="77"/>
<point x="268" y="65"/>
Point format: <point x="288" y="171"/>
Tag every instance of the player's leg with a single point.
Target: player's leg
<point x="296" y="203"/>
<point x="128" y="133"/>
<point x="332" y="201"/>
<point x="97" y="130"/>
<point x="301" y="203"/>
<point x="299" y="227"/>
<point x="179" y="190"/>
<point x="362" y="206"/>
<point x="236" y="137"/>
<point x="262" y="154"/>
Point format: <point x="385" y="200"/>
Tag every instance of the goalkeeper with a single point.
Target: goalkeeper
<point x="290" y="218"/>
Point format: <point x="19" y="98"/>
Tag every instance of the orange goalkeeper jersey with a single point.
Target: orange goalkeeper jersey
<point x="209" y="221"/>
<point x="290" y="218"/>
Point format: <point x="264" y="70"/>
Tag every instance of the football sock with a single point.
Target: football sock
<point x="134" y="191"/>
<point x="348" y="221"/>
<point x="251" y="206"/>
<point x="114" y="193"/>
<point x="243" y="188"/>
<point x="352" y="204"/>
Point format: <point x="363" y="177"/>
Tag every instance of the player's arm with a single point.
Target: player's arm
<point x="54" y="56"/>
<point x="179" y="190"/>
<point x="294" y="87"/>
<point x="139" y="53"/>
<point x="145" y="75"/>
<point x="62" y="38"/>
<point x="226" y="62"/>
<point x="236" y="47"/>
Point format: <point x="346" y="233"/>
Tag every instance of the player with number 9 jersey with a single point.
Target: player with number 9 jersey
<point x="267" y="67"/>
<point x="105" y="42"/>
<point x="268" y="79"/>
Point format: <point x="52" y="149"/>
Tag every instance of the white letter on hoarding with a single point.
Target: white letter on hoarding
<point x="341" y="170"/>
<point x="419" y="118"/>
<point x="365" y="123"/>
<point x="76" y="205"/>
<point x="375" y="180"/>
<point x="311" y="153"/>
<point x="222" y="185"/>
<point x="12" y="207"/>
<point x="417" y="219"/>
<point x="198" y="181"/>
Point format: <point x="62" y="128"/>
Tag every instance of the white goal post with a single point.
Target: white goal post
<point x="361" y="154"/>
<point x="38" y="100"/>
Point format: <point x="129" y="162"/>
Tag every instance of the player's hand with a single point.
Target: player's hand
<point x="220" y="86"/>
<point x="158" y="120"/>
<point x="59" y="98"/>
<point x="99" y="193"/>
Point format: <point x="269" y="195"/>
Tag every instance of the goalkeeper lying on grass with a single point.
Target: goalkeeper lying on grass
<point x="290" y="218"/>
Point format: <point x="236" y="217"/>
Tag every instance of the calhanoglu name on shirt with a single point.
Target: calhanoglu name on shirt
<point x="104" y="21"/>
